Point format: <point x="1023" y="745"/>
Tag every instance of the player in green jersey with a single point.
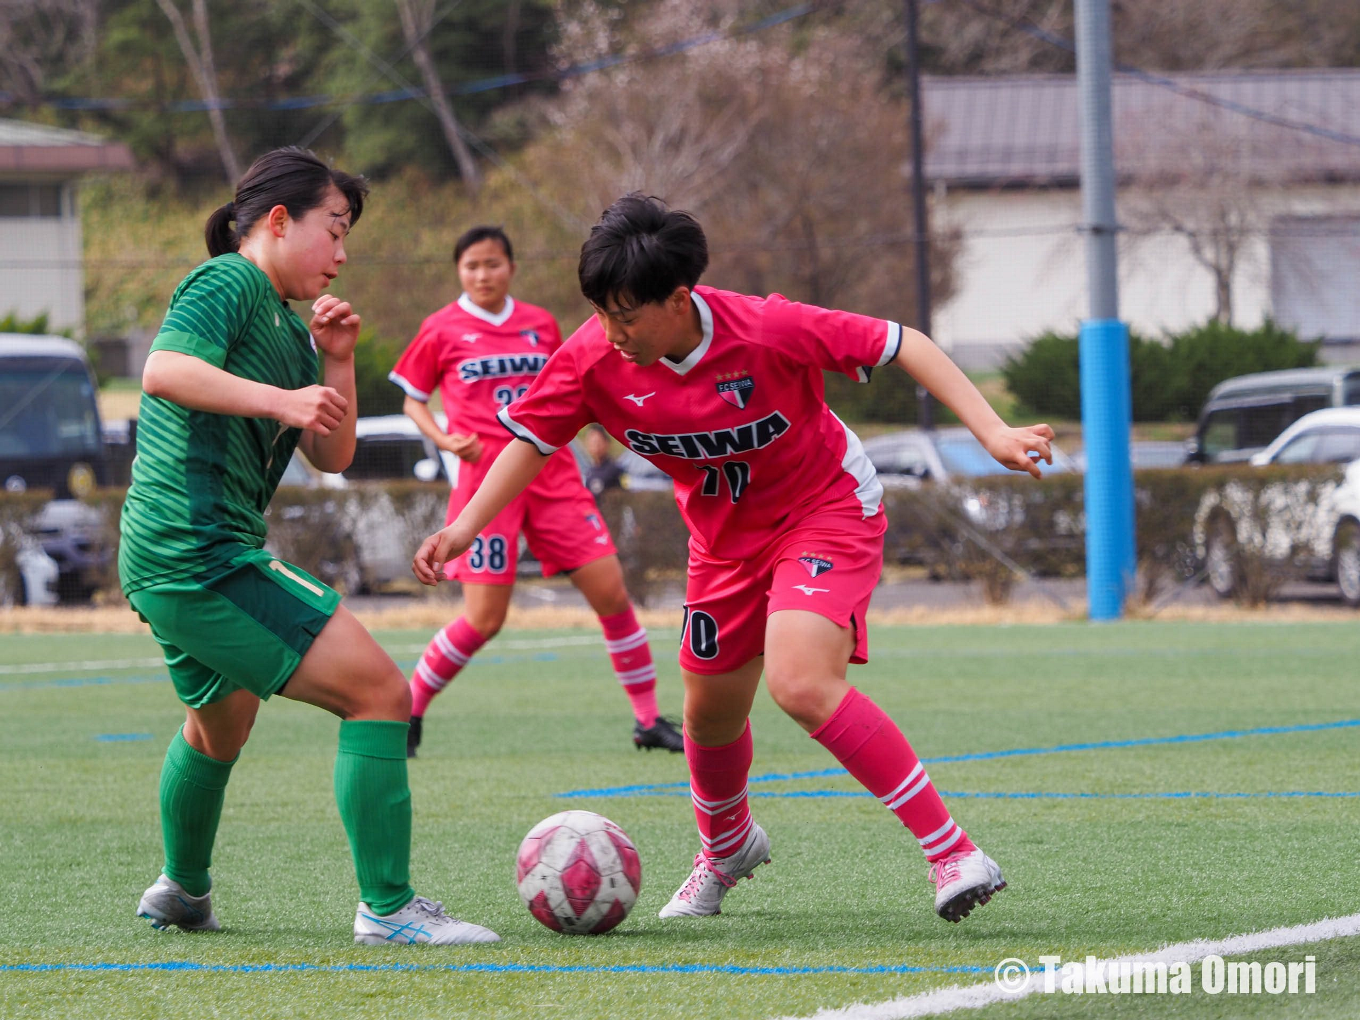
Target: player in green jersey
<point x="230" y="391"/>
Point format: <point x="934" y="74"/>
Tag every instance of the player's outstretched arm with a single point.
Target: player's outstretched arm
<point x="931" y="367"/>
<point x="193" y="383"/>
<point x="510" y="474"/>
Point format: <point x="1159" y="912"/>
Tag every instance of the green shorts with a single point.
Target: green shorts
<point x="245" y="626"/>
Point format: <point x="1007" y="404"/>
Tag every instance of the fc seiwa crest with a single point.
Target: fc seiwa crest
<point x="736" y="388"/>
<point x="531" y="335"/>
<point x="815" y="565"/>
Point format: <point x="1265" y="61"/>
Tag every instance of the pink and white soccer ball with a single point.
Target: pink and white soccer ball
<point x="578" y="873"/>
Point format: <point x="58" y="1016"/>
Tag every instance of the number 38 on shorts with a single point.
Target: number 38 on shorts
<point x="487" y="555"/>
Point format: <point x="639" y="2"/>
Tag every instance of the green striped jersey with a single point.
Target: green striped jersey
<point x="201" y="481"/>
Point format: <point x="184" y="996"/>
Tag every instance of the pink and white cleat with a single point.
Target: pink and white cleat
<point x="703" y="891"/>
<point x="964" y="880"/>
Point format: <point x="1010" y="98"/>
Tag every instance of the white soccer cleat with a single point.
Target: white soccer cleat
<point x="964" y="881"/>
<point x="421" y="920"/>
<point x="703" y="891"/>
<point x="166" y="903"/>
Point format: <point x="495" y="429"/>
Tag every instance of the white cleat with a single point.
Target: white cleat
<point x="964" y="881"/>
<point x="166" y="903"/>
<point x="421" y="920"/>
<point x="703" y="891"/>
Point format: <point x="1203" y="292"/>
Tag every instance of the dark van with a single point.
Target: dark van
<point x="1243" y="415"/>
<point x="50" y="439"/>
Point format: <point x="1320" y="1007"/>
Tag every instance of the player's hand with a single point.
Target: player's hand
<point x="1022" y="449"/>
<point x="318" y="409"/>
<point x="335" y="326"/>
<point x="438" y="550"/>
<point x="465" y="447"/>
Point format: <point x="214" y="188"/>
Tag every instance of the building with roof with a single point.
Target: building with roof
<point x="41" y="260"/>
<point x="1241" y="187"/>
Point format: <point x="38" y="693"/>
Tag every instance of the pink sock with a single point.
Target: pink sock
<point x="632" y="659"/>
<point x="873" y="750"/>
<point x="449" y="652"/>
<point x="717" y="785"/>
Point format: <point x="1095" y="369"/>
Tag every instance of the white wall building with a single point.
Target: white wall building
<point x="1003" y="158"/>
<point x="41" y="257"/>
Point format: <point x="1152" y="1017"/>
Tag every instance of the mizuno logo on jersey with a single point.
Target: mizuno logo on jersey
<point x="754" y="435"/>
<point x="496" y="366"/>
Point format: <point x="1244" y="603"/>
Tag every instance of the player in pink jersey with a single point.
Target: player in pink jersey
<point x="724" y="392"/>
<point x="483" y="351"/>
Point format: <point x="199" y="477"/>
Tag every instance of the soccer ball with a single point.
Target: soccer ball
<point x="578" y="873"/>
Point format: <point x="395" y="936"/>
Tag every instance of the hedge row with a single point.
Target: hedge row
<point x="1170" y="378"/>
<point x="984" y="531"/>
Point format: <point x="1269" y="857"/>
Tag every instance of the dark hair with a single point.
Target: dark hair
<point x="640" y="251"/>
<point x="292" y="177"/>
<point x="483" y="233"/>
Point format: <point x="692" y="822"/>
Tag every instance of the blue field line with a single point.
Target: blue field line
<point x="182" y="966"/>
<point x="110" y="738"/>
<point x="1033" y="795"/>
<point x="86" y="681"/>
<point x="1019" y="752"/>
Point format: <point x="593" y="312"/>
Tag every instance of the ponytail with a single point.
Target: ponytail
<point x="218" y="233"/>
<point x="292" y="177"/>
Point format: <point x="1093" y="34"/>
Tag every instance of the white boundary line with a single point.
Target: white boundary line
<point x="87" y="665"/>
<point x="987" y="993"/>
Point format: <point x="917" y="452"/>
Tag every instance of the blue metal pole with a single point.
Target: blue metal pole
<point x="1104" y="345"/>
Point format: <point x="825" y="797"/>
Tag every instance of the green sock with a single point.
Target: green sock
<point x="193" y="787"/>
<point x="375" y="805"/>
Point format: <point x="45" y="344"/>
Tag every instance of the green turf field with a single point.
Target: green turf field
<point x="841" y="916"/>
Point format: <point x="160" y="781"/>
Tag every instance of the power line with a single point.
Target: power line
<point x="410" y="92"/>
<point x="1023" y="24"/>
<point x="317" y="131"/>
<point x="564" y="216"/>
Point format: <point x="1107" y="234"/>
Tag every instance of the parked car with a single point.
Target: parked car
<point x="50" y="438"/>
<point x="1243" y="415"/>
<point x="1328" y="530"/>
<point x="906" y="458"/>
<point x="1144" y="455"/>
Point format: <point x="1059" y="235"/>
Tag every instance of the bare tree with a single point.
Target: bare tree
<point x="199" y="57"/>
<point x="417" y="18"/>
<point x="1213" y="182"/>
<point x="791" y="152"/>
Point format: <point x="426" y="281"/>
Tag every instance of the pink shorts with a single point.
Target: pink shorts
<point x="828" y="564"/>
<point x="560" y="521"/>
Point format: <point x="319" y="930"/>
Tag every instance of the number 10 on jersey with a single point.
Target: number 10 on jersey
<point x="737" y="474"/>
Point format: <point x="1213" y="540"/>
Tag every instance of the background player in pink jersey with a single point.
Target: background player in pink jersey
<point x="482" y="352"/>
<point x="724" y="392"/>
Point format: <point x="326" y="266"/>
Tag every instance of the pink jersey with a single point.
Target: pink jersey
<point x="740" y="424"/>
<point x="480" y="361"/>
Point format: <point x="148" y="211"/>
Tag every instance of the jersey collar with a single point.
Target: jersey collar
<point x="692" y="359"/>
<point x="472" y="308"/>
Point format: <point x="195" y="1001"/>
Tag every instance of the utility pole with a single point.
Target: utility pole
<point x="924" y="400"/>
<point x="1106" y="404"/>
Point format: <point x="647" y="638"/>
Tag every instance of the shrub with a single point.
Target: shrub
<point x="374" y="357"/>
<point x="1168" y="380"/>
<point x="1203" y="357"/>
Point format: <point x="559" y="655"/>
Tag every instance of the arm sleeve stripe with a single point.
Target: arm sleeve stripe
<point x="892" y="343"/>
<point x="520" y="432"/>
<point x="411" y="391"/>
